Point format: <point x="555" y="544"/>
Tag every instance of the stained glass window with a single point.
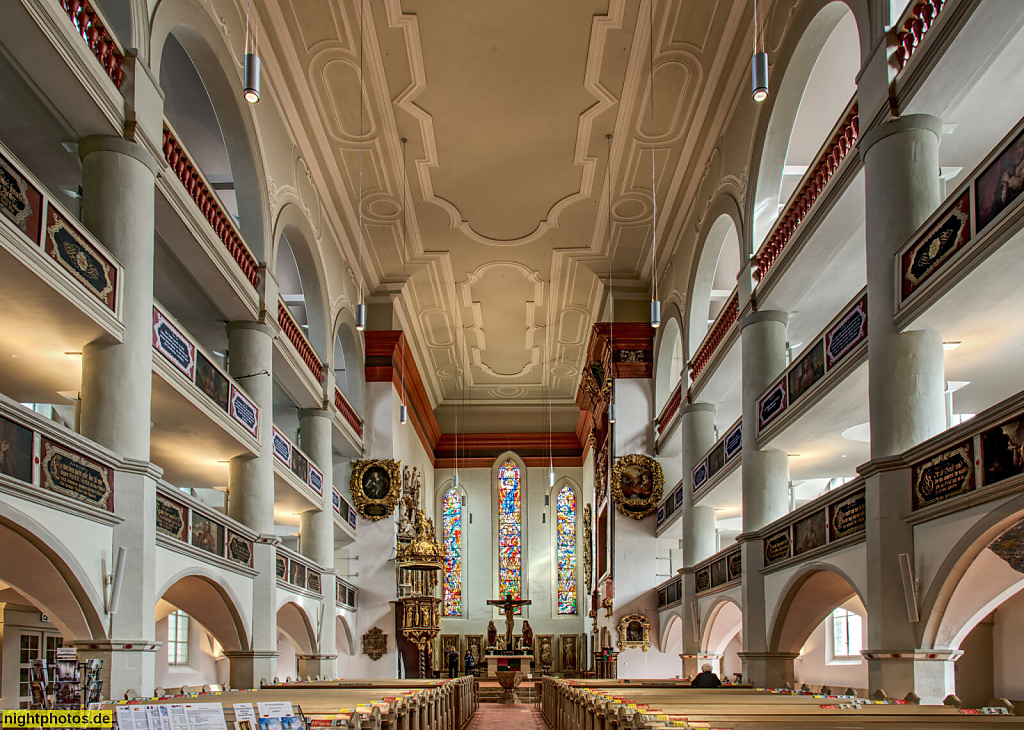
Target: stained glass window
<point x="510" y="558"/>
<point x="566" y="549"/>
<point x="451" y="535"/>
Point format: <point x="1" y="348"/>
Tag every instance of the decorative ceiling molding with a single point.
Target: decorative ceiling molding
<point x="471" y="300"/>
<point x="600" y="30"/>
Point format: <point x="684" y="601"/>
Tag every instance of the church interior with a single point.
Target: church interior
<point x="594" y="364"/>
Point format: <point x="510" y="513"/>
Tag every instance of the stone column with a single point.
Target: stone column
<point x="905" y="395"/>
<point x="697" y="429"/>
<point x="118" y="194"/>
<point x="251" y="498"/>
<point x="118" y="189"/>
<point x="765" y="478"/>
<point x="316" y="539"/>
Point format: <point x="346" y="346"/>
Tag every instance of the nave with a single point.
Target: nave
<point x="384" y="341"/>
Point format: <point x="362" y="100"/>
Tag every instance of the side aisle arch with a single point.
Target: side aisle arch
<point x="191" y="25"/>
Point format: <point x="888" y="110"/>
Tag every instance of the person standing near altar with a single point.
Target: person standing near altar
<point x="470" y="662"/>
<point x="453" y="663"/>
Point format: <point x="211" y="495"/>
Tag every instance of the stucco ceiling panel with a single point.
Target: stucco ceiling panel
<point x="318" y="23"/>
<point x="673" y="88"/>
<point x="437" y="328"/>
<point x="521" y="84"/>
<point x="338" y="90"/>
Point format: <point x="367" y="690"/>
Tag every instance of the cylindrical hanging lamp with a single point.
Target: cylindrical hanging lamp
<point x="759" y="76"/>
<point x="252" y="78"/>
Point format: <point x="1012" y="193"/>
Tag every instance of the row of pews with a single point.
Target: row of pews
<point x="391" y="704"/>
<point x="651" y="704"/>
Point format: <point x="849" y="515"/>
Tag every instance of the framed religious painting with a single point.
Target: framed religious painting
<point x="637" y="485"/>
<point x="376" y="486"/>
<point x="634" y="632"/>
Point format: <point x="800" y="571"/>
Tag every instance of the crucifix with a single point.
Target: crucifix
<point x="508" y="607"/>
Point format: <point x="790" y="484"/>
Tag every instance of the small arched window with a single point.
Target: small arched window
<point x="565" y="509"/>
<point x="510" y="536"/>
<point x="451" y="535"/>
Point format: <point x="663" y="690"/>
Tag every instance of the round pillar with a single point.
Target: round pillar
<point x="118" y="189"/>
<point x="316" y="526"/>
<point x="905" y="371"/>
<point x="697" y="429"/>
<point x="765" y="474"/>
<point x="251" y="478"/>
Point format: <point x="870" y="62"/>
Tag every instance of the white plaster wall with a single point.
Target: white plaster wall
<point x="813" y="668"/>
<point x="1008" y="648"/>
<point x="636" y="575"/>
<point x="933" y="541"/>
<point x="287" y="664"/>
<point x="384" y="438"/>
<point x="851" y="561"/>
<point x="88" y="541"/>
<point x="204" y="664"/>
<point x="345" y="647"/>
<point x="171" y="565"/>
<point x="634" y="412"/>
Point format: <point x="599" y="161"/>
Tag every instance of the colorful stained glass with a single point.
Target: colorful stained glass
<point x="566" y="549"/>
<point x="510" y="558"/>
<point x="451" y="536"/>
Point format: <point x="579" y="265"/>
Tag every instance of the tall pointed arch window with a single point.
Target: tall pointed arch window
<point x="451" y="536"/>
<point x="565" y="547"/>
<point x="510" y="526"/>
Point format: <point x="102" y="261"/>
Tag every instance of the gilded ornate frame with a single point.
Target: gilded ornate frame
<point x="625" y="643"/>
<point x="371" y="508"/>
<point x="634" y="506"/>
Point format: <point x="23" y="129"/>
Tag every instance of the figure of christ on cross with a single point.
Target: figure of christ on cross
<point x="508" y="607"/>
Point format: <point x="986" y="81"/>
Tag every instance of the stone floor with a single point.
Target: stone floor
<point x="507" y="717"/>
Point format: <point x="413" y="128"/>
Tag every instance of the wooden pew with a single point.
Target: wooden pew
<point x="363" y="708"/>
<point x="621" y="706"/>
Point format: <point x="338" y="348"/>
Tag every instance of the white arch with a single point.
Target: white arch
<point x="669" y="364"/>
<point x="292" y="230"/>
<point x="810" y="595"/>
<point x="294" y="623"/>
<point x="199" y="34"/>
<point x="349" y="346"/>
<point x="203" y="594"/>
<point x="712" y="275"/>
<point x="345" y="634"/>
<point x="795" y="63"/>
<point x="972" y="581"/>
<point x="39" y="566"/>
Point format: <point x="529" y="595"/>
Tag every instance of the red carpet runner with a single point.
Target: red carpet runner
<point x="492" y="716"/>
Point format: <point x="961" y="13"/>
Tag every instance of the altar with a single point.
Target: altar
<point x="522" y="663"/>
<point x="508" y="665"/>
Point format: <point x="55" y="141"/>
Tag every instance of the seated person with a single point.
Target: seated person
<point x="706" y="679"/>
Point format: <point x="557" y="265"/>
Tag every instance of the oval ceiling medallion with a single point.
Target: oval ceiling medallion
<point x="630" y="209"/>
<point x="508" y="392"/>
<point x="382" y="208"/>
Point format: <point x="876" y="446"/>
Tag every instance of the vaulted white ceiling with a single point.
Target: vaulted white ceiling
<point x="507" y="108"/>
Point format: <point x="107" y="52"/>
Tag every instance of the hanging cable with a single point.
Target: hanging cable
<point x="251" y="61"/>
<point x="403" y="410"/>
<point x="360" y="305"/>
<point x="655" y="303"/>
<point x="551" y="453"/>
<point x="759" y="64"/>
<point x="611" y="293"/>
